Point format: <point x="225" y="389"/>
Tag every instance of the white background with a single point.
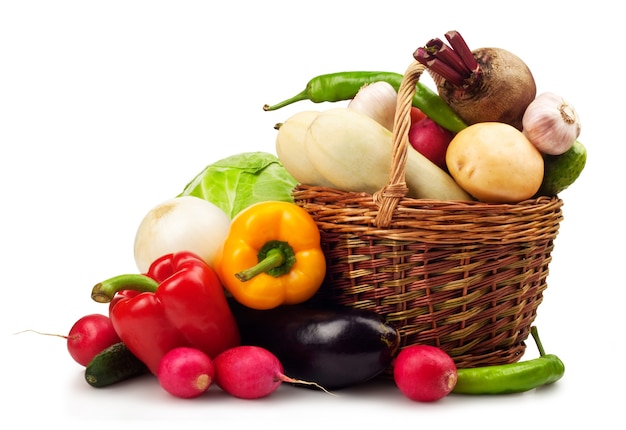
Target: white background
<point x="109" y="107"/>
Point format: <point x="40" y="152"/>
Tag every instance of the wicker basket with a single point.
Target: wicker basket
<point x="465" y="276"/>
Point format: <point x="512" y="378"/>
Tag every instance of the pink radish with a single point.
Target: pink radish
<point x="250" y="372"/>
<point x="186" y="372"/>
<point x="424" y="373"/>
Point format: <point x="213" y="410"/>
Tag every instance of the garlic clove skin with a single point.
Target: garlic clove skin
<point x="378" y="101"/>
<point x="551" y="124"/>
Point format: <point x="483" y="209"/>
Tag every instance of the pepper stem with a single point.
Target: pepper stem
<point x="535" y="333"/>
<point x="275" y="258"/>
<point x="304" y="95"/>
<point x="103" y="292"/>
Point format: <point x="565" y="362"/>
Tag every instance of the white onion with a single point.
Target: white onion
<point x="183" y="223"/>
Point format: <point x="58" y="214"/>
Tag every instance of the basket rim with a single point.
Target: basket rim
<point x="434" y="221"/>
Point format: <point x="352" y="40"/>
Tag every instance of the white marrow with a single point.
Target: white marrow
<point x="353" y="151"/>
<point x="292" y="153"/>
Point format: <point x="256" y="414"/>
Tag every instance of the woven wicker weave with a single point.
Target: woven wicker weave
<point x="465" y="276"/>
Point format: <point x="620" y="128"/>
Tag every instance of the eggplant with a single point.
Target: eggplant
<point x="334" y="348"/>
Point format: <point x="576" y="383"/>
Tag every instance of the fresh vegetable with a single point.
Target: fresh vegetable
<point x="378" y="101"/>
<point x="551" y="124"/>
<point x="241" y="180"/>
<point x="336" y="348"/>
<point x="271" y="256"/>
<point x="354" y="152"/>
<point x="185" y="223"/>
<point x="417" y="115"/>
<point x="251" y="372"/>
<point x="484" y="85"/>
<point x="112" y="365"/>
<point x="291" y="150"/>
<point x="89" y="336"/>
<point x="514" y="377"/>
<point x="424" y="373"/>
<point x="340" y="86"/>
<point x="495" y="163"/>
<point x="431" y="140"/>
<point x="561" y="171"/>
<point x="182" y="304"/>
<point x="186" y="372"/>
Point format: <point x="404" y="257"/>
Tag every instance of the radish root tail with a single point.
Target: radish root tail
<point x="285" y="378"/>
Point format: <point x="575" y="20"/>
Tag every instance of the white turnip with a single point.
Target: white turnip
<point x="424" y="373"/>
<point x="483" y="85"/>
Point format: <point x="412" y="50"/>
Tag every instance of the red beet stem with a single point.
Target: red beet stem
<point x="444" y="70"/>
<point x="446" y="54"/>
<point x="423" y="54"/>
<point x="454" y="63"/>
<point x="462" y="50"/>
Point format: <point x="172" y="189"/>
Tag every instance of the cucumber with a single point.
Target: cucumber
<point x="335" y="348"/>
<point x="114" y="364"/>
<point x="562" y="170"/>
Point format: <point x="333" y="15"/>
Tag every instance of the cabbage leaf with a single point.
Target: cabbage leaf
<point x="241" y="180"/>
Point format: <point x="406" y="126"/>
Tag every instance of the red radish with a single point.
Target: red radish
<point x="186" y="372"/>
<point x="416" y="114"/>
<point x="431" y="140"/>
<point x="250" y="372"/>
<point x="89" y="336"/>
<point x="424" y="373"/>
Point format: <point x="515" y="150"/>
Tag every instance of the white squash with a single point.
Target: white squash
<point x="291" y="151"/>
<point x="353" y="151"/>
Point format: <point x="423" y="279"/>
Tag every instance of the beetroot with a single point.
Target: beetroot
<point x="483" y="85"/>
<point x="186" y="372"/>
<point x="424" y="373"/>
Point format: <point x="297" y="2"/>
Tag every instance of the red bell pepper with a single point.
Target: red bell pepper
<point x="179" y="302"/>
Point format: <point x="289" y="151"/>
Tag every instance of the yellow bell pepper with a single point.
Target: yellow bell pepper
<point x="271" y="256"/>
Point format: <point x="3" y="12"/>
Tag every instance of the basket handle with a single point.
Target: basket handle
<point x="390" y="195"/>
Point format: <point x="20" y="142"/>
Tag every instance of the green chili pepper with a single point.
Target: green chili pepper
<point x="340" y="86"/>
<point x="511" y="378"/>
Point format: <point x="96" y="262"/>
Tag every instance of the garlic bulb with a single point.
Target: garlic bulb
<point x="551" y="124"/>
<point x="378" y="101"/>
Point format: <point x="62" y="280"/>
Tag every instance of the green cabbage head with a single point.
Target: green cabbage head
<point x="241" y="180"/>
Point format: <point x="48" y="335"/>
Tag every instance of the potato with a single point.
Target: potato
<point x="495" y="163"/>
